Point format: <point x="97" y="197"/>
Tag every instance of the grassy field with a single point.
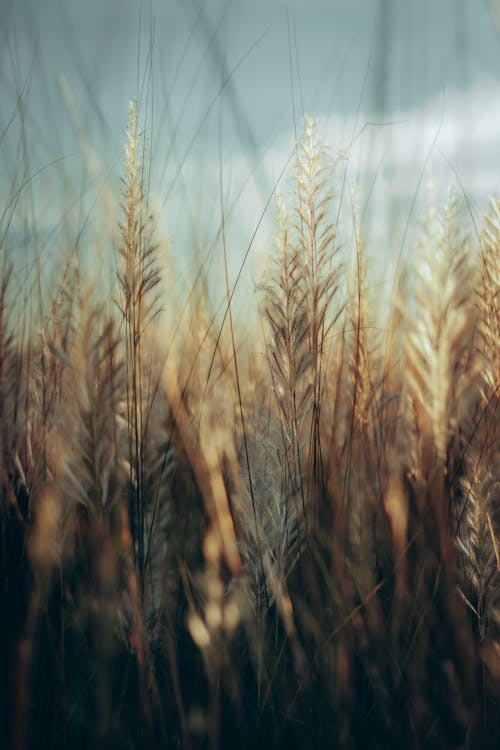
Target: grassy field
<point x="284" y="535"/>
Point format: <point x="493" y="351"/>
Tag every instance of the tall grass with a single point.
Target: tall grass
<point x="289" y="543"/>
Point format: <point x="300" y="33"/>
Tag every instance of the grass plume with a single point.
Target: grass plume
<point x="212" y="540"/>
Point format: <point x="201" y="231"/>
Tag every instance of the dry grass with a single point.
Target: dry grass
<point x="202" y="546"/>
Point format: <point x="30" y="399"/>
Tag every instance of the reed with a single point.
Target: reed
<point x="214" y="539"/>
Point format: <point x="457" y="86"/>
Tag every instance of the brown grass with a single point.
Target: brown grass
<point x="211" y="542"/>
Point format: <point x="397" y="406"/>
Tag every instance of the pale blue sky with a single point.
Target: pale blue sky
<point x="412" y="49"/>
<point x="418" y="69"/>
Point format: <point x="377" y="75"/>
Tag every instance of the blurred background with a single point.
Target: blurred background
<point x="406" y="94"/>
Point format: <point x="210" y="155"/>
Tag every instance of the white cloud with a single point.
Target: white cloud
<point x="456" y="132"/>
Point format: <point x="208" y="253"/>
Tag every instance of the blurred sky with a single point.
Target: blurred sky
<point x="407" y="88"/>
